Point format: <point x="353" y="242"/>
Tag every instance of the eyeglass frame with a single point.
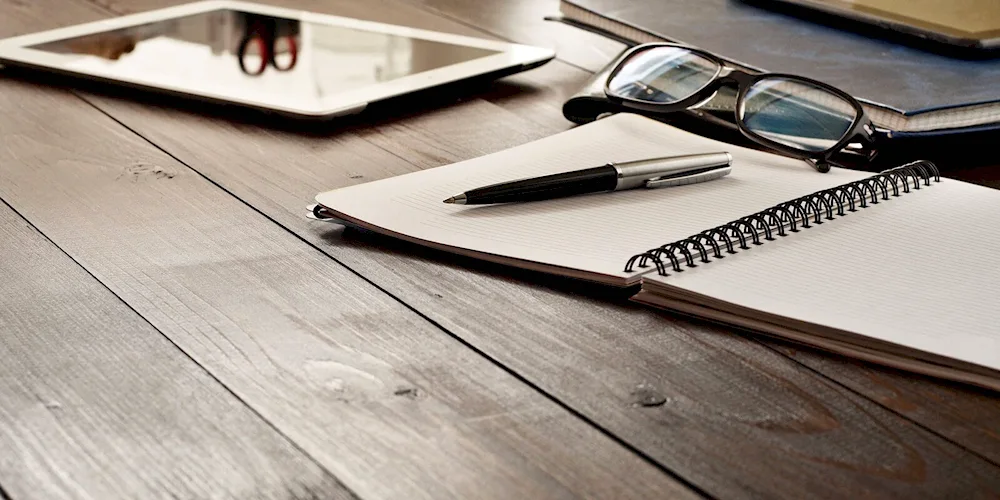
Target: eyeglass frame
<point x="728" y="72"/>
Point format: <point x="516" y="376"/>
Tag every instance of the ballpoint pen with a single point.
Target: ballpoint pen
<point x="648" y="173"/>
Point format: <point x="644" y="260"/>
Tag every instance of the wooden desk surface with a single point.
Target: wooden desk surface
<point x="171" y="326"/>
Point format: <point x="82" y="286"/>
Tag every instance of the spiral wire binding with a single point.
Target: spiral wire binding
<point x="795" y="214"/>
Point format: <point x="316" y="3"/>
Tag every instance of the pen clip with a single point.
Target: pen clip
<point x="685" y="178"/>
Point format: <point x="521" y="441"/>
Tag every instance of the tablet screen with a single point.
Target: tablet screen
<point x="256" y="57"/>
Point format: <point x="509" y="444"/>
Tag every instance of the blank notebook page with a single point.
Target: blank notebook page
<point x="594" y="233"/>
<point x="921" y="270"/>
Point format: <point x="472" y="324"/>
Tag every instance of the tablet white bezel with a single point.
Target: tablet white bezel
<point x="510" y="56"/>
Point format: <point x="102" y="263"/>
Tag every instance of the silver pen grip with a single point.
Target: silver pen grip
<point x="635" y="174"/>
<point x="684" y="180"/>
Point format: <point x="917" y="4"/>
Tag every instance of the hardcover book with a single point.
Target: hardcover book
<point x="905" y="90"/>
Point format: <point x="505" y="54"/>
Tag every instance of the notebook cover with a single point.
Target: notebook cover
<point x="886" y="73"/>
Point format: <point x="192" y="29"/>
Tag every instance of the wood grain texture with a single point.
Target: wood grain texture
<point x="95" y="403"/>
<point x="391" y="405"/>
<point x="732" y="411"/>
<point x="967" y="415"/>
<point x="524" y="21"/>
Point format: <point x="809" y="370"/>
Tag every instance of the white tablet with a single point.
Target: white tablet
<point x="288" y="61"/>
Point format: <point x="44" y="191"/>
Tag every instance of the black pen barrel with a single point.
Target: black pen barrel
<point x="591" y="180"/>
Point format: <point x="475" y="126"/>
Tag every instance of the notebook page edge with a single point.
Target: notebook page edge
<point x="886" y="322"/>
<point x="937" y="366"/>
<point x="679" y="296"/>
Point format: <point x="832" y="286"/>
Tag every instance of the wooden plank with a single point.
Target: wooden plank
<point x="392" y="406"/>
<point x="596" y="355"/>
<point x="95" y="403"/>
<point x="966" y="415"/>
<point x="524" y="21"/>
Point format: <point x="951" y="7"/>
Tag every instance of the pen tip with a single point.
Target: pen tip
<point x="458" y="199"/>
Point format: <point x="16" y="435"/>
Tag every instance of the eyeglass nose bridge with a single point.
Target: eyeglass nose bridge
<point x="729" y="74"/>
<point x="862" y="143"/>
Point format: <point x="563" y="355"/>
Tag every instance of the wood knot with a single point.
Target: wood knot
<point x="145" y="170"/>
<point x="646" y="396"/>
<point x="407" y="392"/>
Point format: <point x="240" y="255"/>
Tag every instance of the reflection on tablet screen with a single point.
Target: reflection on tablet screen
<point x="256" y="57"/>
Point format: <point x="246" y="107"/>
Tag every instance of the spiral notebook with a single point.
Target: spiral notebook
<point x="896" y="267"/>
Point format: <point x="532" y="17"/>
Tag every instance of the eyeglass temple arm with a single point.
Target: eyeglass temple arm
<point x="862" y="145"/>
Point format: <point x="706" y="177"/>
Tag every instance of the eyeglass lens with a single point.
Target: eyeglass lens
<point x="796" y="114"/>
<point x="663" y="75"/>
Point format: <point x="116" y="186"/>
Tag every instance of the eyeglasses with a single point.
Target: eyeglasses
<point x="793" y="115"/>
<point x="263" y="43"/>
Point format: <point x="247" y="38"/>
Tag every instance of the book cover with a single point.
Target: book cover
<point x="906" y="89"/>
